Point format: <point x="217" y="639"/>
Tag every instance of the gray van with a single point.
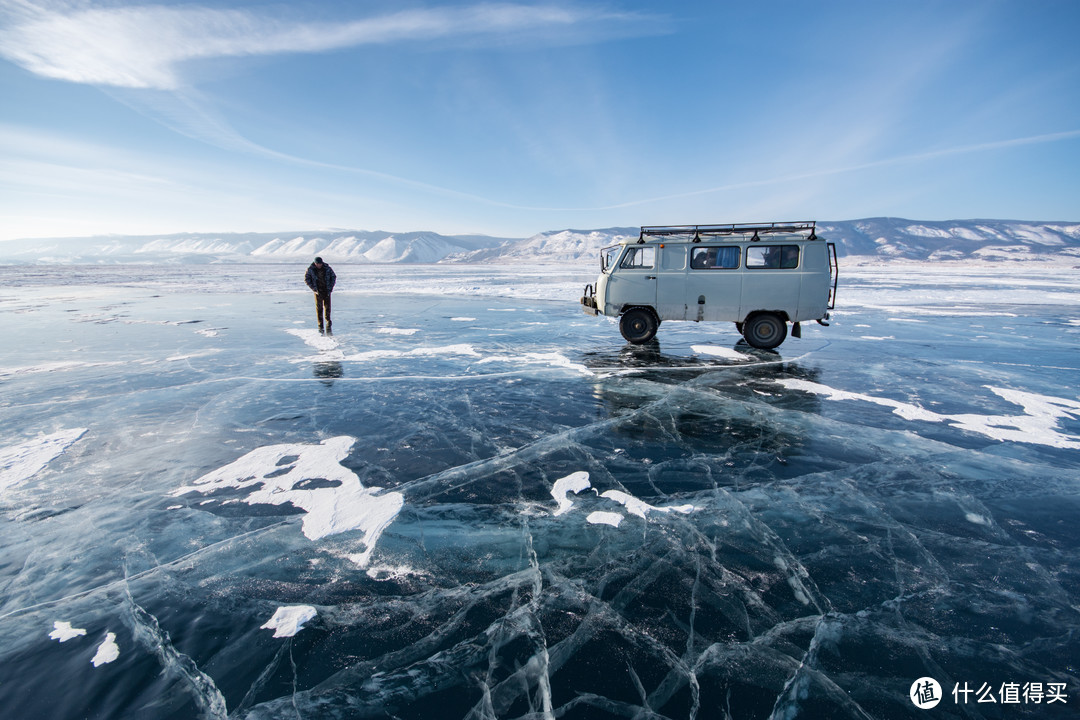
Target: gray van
<point x="759" y="276"/>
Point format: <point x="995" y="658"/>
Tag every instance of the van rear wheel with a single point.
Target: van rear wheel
<point x="638" y="325"/>
<point x="765" y="330"/>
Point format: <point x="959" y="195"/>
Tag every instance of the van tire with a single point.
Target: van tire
<point x="638" y="325"/>
<point x="765" y="330"/>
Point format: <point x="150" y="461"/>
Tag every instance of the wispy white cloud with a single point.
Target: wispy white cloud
<point x="146" y="46"/>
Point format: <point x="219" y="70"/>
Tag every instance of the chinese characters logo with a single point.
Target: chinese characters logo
<point x="925" y="693"/>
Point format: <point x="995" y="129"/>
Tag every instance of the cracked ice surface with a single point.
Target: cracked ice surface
<point x="22" y="461"/>
<point x="507" y="512"/>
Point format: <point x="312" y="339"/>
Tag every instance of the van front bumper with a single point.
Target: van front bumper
<point x="588" y="301"/>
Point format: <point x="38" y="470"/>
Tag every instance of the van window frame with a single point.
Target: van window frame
<point x="782" y="260"/>
<point x="633" y="251"/>
<point x="696" y="250"/>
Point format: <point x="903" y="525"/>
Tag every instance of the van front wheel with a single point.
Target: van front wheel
<point x="638" y="325"/>
<point x="765" y="330"/>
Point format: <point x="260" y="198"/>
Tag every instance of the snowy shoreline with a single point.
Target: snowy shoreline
<point x="873" y="284"/>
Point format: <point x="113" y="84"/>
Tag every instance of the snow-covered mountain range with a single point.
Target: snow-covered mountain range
<point x="344" y="246"/>
<point x="873" y="239"/>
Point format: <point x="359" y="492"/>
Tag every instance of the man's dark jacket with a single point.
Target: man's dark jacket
<point x="321" y="281"/>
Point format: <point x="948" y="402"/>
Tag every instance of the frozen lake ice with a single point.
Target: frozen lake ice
<point x="473" y="501"/>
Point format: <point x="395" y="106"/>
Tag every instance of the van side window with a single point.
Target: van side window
<point x="706" y="258"/>
<point x="773" y="257"/>
<point x="639" y="258"/>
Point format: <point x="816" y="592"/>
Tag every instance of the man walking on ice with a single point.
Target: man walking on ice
<point x="320" y="277"/>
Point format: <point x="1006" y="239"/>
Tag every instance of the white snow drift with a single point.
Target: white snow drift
<point x="298" y="474"/>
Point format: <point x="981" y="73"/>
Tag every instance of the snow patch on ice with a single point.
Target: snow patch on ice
<point x="20" y="462"/>
<point x="280" y="474"/>
<point x="58" y="366"/>
<point x="397" y="331"/>
<point x="604" y="518"/>
<point x="189" y="356"/>
<point x="462" y="319"/>
<point x="575" y="483"/>
<point x="107" y="651"/>
<point x="63" y="631"/>
<point x="446" y="351"/>
<point x="1038" y="425"/>
<point x="720" y="352"/>
<point x="955" y="310"/>
<point x="579" y="481"/>
<point x="553" y="359"/>
<point x="976" y="518"/>
<point x="289" y="620"/>
<point x="393" y="572"/>
<point x="324" y="343"/>
<point x="634" y="506"/>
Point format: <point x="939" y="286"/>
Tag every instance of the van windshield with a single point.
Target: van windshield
<point x="608" y="256"/>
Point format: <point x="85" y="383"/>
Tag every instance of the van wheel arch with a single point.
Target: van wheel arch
<point x="638" y="324"/>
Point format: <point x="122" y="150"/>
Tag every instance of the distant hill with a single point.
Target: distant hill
<point x="347" y="246"/>
<point x="559" y="246"/>
<point x="991" y="240"/>
<point x="872" y="240"/>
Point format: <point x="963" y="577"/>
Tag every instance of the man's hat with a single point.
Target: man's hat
<point x="318" y="260"/>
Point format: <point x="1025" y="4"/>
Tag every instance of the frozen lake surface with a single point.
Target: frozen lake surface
<point x="473" y="501"/>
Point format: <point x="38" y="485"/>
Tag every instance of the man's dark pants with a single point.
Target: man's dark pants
<point x="322" y="301"/>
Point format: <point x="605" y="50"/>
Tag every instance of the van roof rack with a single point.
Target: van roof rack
<point x="719" y="231"/>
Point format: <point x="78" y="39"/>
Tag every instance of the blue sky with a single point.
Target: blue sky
<point x="514" y="118"/>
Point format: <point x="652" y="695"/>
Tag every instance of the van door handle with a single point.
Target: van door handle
<point x="650" y="277"/>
